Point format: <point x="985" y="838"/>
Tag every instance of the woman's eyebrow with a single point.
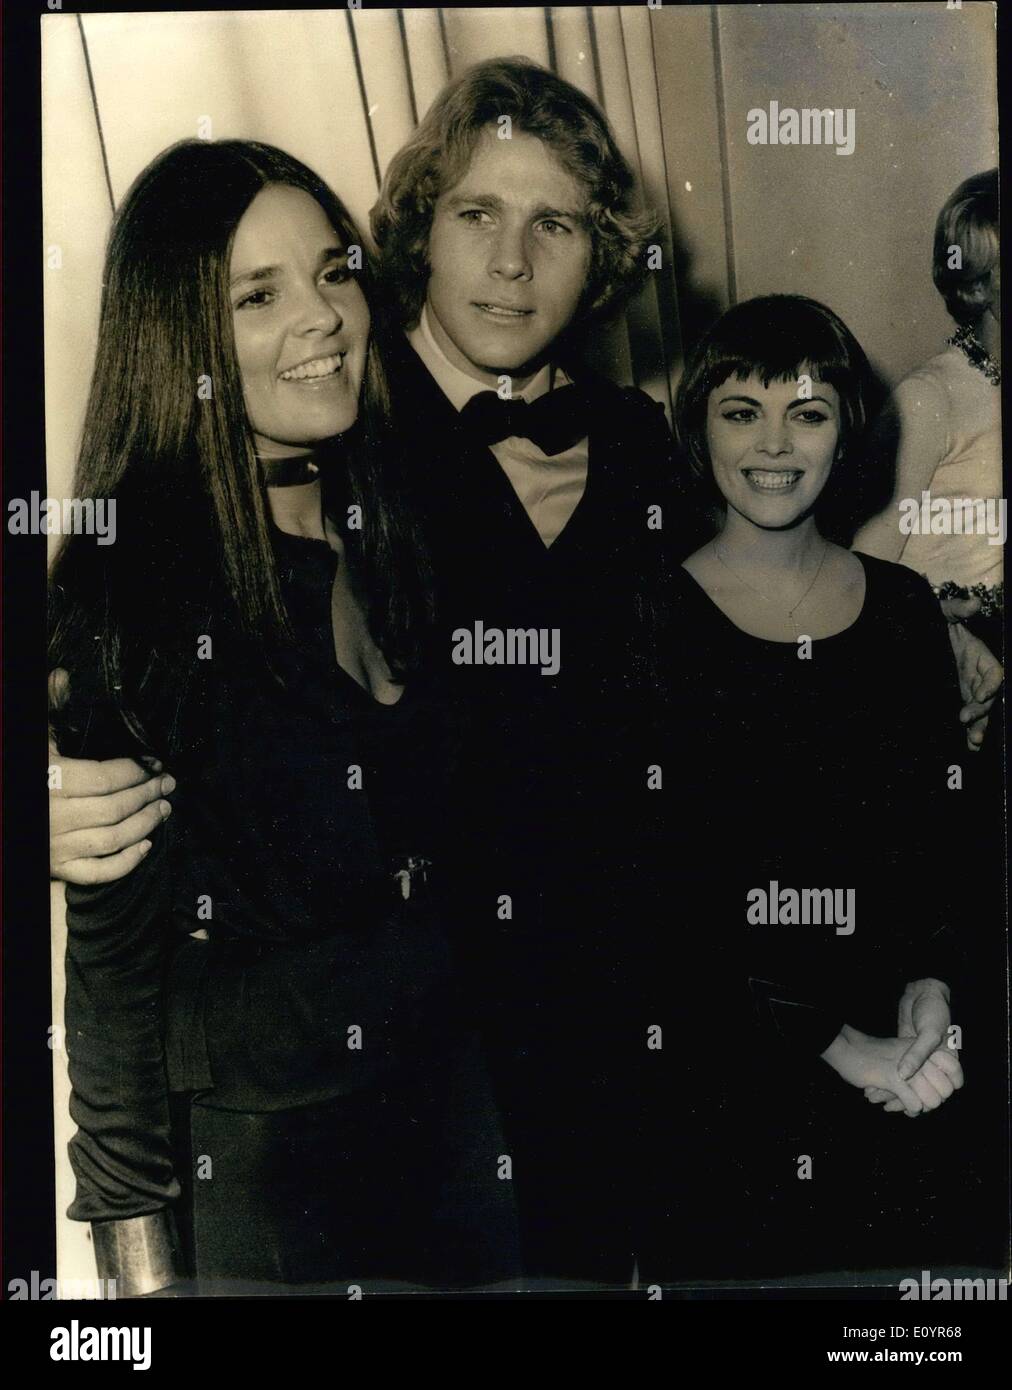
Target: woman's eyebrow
<point x="269" y="272"/>
<point x="263" y="272"/>
<point x="798" y="400"/>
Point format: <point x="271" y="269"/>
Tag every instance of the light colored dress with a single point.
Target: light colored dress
<point x="949" y="407"/>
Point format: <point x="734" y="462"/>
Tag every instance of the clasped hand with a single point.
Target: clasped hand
<point x="916" y="1070"/>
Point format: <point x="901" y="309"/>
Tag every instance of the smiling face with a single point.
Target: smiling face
<point x="301" y="322"/>
<point x="770" y="450"/>
<point x="509" y="254"/>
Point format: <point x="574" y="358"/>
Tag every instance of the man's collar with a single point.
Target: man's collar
<point x="455" y="383"/>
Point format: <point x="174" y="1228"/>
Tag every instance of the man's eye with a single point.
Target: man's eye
<point x="553" y="227"/>
<point x="255" y="298"/>
<point x="473" y="215"/>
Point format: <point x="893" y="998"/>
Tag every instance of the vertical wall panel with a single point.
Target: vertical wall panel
<point x="574" y="53"/>
<point x="284" y="77"/>
<point x="76" y="218"/>
<point x="474" y="35"/>
<point x="156" y="76"/>
<point x="654" y="337"/>
<point x="385" y="75"/>
<point x="856" y="230"/>
<point x="306" y="97"/>
<point x="612" y="353"/>
<point x="687" y="90"/>
<point x="616" y="96"/>
<point x="427" y="56"/>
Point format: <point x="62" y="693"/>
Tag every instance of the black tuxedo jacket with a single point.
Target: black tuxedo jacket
<point x="554" y="811"/>
<point x="550" y="775"/>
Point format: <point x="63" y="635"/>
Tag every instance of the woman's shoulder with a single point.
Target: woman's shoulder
<point x="899" y="587"/>
<point x="891" y="574"/>
<point x="933" y="381"/>
<point x="693" y="591"/>
<point x="688" y="580"/>
<point x="909" y="633"/>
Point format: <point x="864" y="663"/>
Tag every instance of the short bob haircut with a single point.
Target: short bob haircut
<point x="968" y="220"/>
<point x="540" y="104"/>
<point x="778" y="337"/>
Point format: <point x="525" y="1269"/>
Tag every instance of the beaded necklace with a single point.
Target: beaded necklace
<point x="976" y="353"/>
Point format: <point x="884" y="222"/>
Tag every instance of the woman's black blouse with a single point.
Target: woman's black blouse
<point x="299" y="801"/>
<point x="838" y="771"/>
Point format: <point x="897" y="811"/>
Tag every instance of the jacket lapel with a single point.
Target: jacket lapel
<point x="463" y="485"/>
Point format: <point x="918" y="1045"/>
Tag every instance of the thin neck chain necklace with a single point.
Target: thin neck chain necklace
<point x="976" y="353"/>
<point x="790" y="612"/>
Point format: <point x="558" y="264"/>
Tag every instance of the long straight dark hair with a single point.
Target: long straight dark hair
<point x="166" y="435"/>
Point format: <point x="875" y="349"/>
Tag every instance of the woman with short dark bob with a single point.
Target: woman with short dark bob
<point x="263" y="1029"/>
<point x="820" y="790"/>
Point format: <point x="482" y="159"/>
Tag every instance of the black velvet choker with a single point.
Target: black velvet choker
<point x="290" y="471"/>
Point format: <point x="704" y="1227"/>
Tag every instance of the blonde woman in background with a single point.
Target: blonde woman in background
<point x="945" y="423"/>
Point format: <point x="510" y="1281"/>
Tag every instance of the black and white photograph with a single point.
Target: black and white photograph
<point x="517" y="515"/>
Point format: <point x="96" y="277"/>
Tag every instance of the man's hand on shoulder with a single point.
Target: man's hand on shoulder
<point x="100" y="813"/>
<point x="980" y="671"/>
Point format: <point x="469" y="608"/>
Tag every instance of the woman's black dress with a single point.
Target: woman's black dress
<point x="330" y="1117"/>
<point x="840" y="771"/>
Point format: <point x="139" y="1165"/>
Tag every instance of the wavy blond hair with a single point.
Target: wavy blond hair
<point x="540" y="104"/>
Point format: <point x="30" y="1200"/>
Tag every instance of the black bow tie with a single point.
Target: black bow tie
<point x="554" y="422"/>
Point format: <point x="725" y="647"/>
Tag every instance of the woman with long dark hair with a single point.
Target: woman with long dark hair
<point x="264" y="1034"/>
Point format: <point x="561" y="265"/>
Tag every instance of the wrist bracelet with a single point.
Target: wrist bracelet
<point x="140" y="1253"/>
